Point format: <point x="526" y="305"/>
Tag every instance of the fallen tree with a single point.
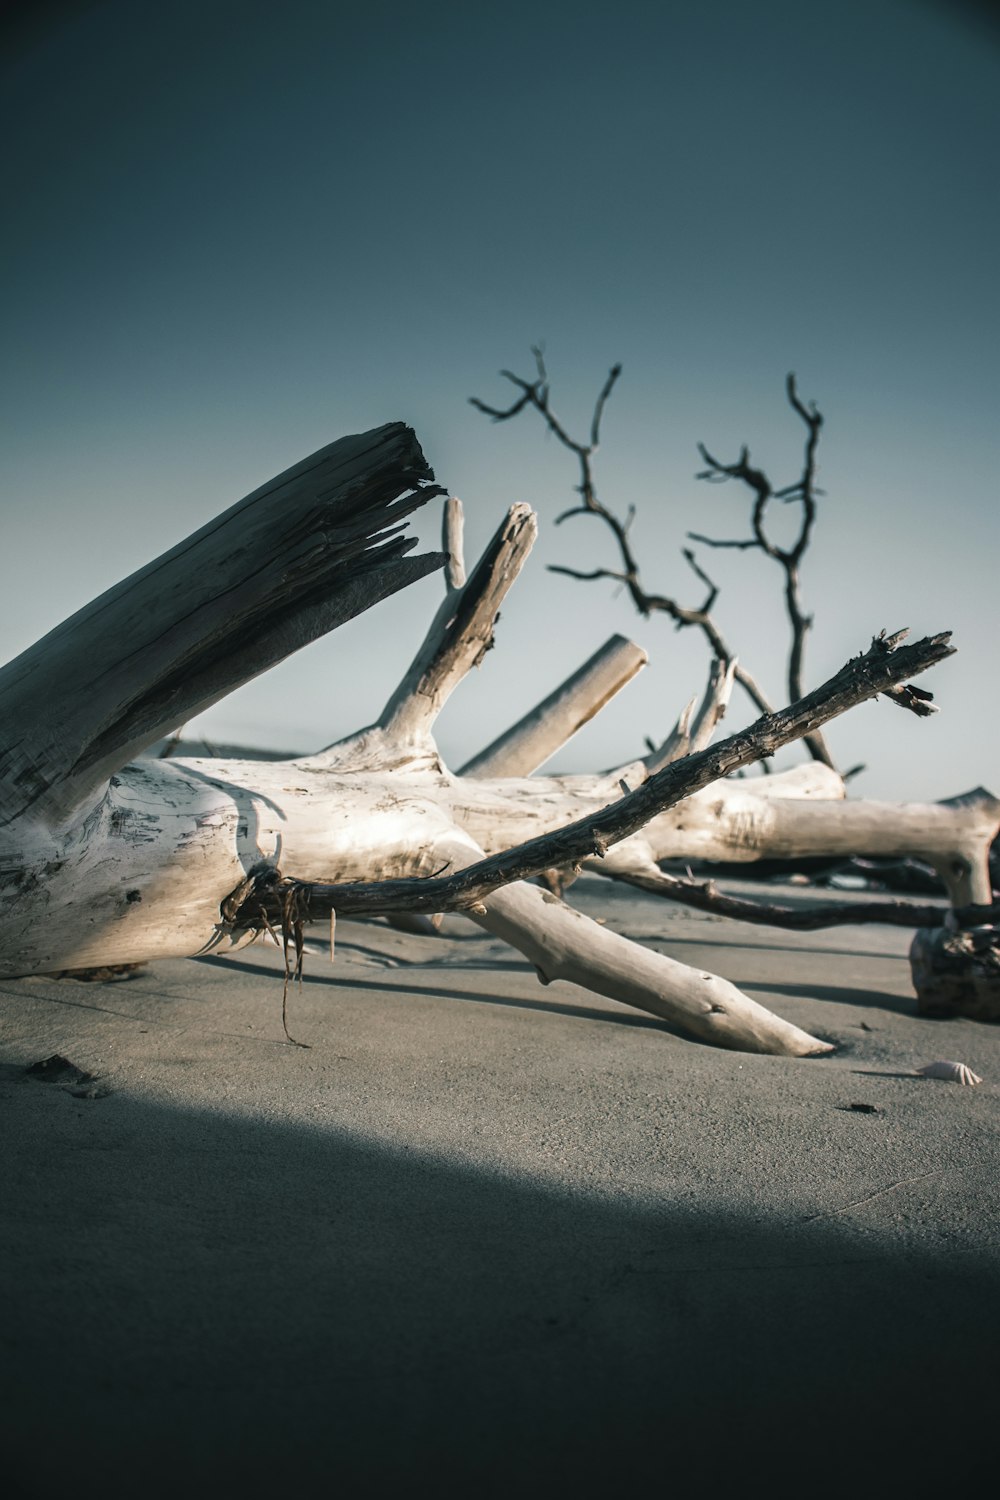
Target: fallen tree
<point x="105" y="859"/>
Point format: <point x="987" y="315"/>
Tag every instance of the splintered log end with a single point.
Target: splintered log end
<point x="935" y="647"/>
<point x="461" y="632"/>
<point x="302" y="554"/>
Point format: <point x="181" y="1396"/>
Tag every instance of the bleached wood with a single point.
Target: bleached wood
<point x="564" y="944"/>
<point x="704" y="895"/>
<point x="174" y="857"/>
<point x="693" y="730"/>
<point x="452" y="542"/>
<point x="310" y="549"/>
<point x="533" y="740"/>
<point x="461" y="632"/>
<point x="729" y="823"/>
<point x="677" y="742"/>
<point x="813" y="779"/>
<point x="714" y="703"/>
<point x="182" y="833"/>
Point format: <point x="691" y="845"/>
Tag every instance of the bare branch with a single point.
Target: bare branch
<point x="536" y="737"/>
<point x="880" y="668"/>
<point x="452" y="536"/>
<point x="595" y="425"/>
<point x="803" y="492"/>
<point x="496" y="413"/>
<point x="705" y="896"/>
<point x="591" y="574"/>
<point x="712" y="541"/>
<point x="536" y="394"/>
<point x="461" y="632"/>
<point x="710" y="584"/>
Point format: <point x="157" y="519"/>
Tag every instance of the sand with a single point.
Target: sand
<point x="491" y="1237"/>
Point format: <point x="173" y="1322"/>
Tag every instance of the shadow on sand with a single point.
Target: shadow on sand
<point x="196" y="1303"/>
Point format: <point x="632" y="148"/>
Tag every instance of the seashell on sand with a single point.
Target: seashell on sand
<point x="951" y="1072"/>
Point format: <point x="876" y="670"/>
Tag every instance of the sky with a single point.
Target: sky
<point x="237" y="231"/>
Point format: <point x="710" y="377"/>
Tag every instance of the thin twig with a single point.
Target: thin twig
<point x="535" y="393"/>
<point x="802" y="491"/>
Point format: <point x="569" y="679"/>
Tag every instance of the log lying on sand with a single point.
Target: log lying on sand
<point x="103" y="861"/>
<point x="738" y="824"/>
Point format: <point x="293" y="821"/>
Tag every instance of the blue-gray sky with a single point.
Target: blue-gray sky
<point x="238" y="230"/>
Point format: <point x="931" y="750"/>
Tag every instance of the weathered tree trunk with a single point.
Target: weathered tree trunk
<point x="298" y="557"/>
<point x="740" y="821"/>
<point x="104" y="861"/>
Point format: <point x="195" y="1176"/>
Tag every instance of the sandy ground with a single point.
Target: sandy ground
<point x="495" y="1237"/>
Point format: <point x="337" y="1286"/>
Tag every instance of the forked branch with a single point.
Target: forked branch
<point x="801" y="492"/>
<point x="536" y="393"/>
<point x="885" y="665"/>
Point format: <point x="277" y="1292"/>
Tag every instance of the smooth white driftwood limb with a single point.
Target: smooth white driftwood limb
<point x="452" y="535"/>
<point x="533" y="740"/>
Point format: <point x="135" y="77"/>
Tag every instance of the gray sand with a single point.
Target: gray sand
<point x="491" y="1236"/>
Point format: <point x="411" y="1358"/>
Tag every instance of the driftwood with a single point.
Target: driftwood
<point x="956" y="970"/>
<point x="106" y="860"/>
<point x="298" y="557"/>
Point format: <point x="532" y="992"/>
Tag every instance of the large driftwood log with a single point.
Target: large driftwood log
<point x="296" y="558"/>
<point x="179" y="856"/>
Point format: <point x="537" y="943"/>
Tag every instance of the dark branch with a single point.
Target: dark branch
<point x="705" y="896"/>
<point x="536" y="394"/>
<point x="802" y="492"/>
<point x="883" y="666"/>
<point x="595" y="425"/>
<point x="712" y="541"/>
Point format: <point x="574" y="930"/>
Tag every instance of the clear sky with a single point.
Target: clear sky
<point x="235" y="231"/>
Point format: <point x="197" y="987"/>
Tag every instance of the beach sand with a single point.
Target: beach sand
<point x="493" y="1237"/>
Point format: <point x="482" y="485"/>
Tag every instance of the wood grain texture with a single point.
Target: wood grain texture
<point x="305" y="552"/>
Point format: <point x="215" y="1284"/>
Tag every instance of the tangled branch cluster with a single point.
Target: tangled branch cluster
<point x="802" y="492"/>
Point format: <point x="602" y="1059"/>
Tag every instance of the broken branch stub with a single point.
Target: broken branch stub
<point x="461" y="632"/>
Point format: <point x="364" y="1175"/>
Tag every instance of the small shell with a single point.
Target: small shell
<point x="952" y="1072"/>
